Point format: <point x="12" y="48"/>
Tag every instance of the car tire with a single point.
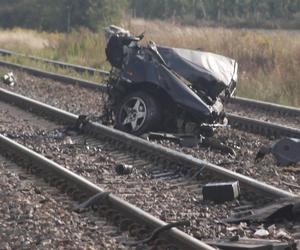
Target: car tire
<point x="138" y="113"/>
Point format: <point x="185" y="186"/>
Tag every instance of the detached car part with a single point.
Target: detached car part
<point x="123" y="169"/>
<point x="159" y="88"/>
<point x="251" y="244"/>
<point x="280" y="210"/>
<point x="229" y="191"/>
<point x="184" y="140"/>
<point x="191" y="140"/>
<point x="9" y="79"/>
<point x="286" y="151"/>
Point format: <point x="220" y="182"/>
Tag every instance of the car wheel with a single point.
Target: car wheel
<point x="138" y="113"/>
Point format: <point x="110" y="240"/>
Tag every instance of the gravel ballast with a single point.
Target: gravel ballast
<point x="36" y="216"/>
<point x="154" y="196"/>
<point x="97" y="164"/>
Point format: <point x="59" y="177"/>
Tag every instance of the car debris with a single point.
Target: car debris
<point x="218" y="145"/>
<point x="81" y="207"/>
<point x="156" y="232"/>
<point x="9" y="79"/>
<point x="261" y="232"/>
<point x="154" y="88"/>
<point x="286" y="151"/>
<point x="229" y="191"/>
<point x="190" y="140"/>
<point x="184" y="140"/>
<point x="123" y="169"/>
<point x="279" y="210"/>
<point x="251" y="244"/>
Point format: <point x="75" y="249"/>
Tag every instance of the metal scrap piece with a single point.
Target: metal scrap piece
<point x="9" y="79"/>
<point x="191" y="140"/>
<point x="253" y="244"/>
<point x="90" y="202"/>
<point x="217" y="144"/>
<point x="123" y="169"/>
<point x="184" y="140"/>
<point x="284" y="209"/>
<point x="286" y="151"/>
<point x="156" y="233"/>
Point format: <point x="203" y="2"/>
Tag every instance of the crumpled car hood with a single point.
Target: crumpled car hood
<point x="196" y="65"/>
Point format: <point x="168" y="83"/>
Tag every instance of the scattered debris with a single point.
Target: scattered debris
<point x="123" y="169"/>
<point x="261" y="233"/>
<point x="272" y="229"/>
<point x="68" y="141"/>
<point x="9" y="79"/>
<point x="190" y="140"/>
<point x="286" y="151"/>
<point x="257" y="244"/>
<point x="90" y="202"/>
<point x="283" y="209"/>
<point x="184" y="140"/>
<point x="282" y="234"/>
<point x="217" y="144"/>
<point x="221" y="192"/>
<point x="157" y="232"/>
<point x="290" y="184"/>
<point x="81" y="122"/>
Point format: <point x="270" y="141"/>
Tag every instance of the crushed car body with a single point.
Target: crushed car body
<point x="154" y="88"/>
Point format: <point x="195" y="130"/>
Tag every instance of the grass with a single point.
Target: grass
<point x="269" y="61"/>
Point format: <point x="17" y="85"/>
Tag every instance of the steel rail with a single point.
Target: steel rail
<point x="175" y="235"/>
<point x="75" y="67"/>
<point x="268" y="106"/>
<point x="54" y="76"/>
<point x="261" y="127"/>
<point x="98" y="130"/>
<point x="236" y="121"/>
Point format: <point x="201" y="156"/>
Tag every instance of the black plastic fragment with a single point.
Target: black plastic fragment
<point x="189" y="141"/>
<point x="123" y="169"/>
<point x="221" y="192"/>
<point x="81" y="122"/>
<point x="217" y="144"/>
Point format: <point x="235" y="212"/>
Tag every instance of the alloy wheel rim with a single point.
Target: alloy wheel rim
<point x="133" y="113"/>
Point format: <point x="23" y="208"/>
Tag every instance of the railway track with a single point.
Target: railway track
<point x="244" y="102"/>
<point x="166" y="173"/>
<point x="27" y="201"/>
<point x="168" y="165"/>
<point x="77" y="68"/>
<point x="123" y="213"/>
<point x="153" y="150"/>
<point x="289" y="126"/>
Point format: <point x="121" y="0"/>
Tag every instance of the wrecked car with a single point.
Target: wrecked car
<point x="154" y="88"/>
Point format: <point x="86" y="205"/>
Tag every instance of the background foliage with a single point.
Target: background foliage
<point x="60" y="15"/>
<point x="63" y="15"/>
<point x="269" y="60"/>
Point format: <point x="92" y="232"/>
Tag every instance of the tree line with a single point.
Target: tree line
<point x="60" y="15"/>
<point x="64" y="15"/>
<point x="244" y="13"/>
